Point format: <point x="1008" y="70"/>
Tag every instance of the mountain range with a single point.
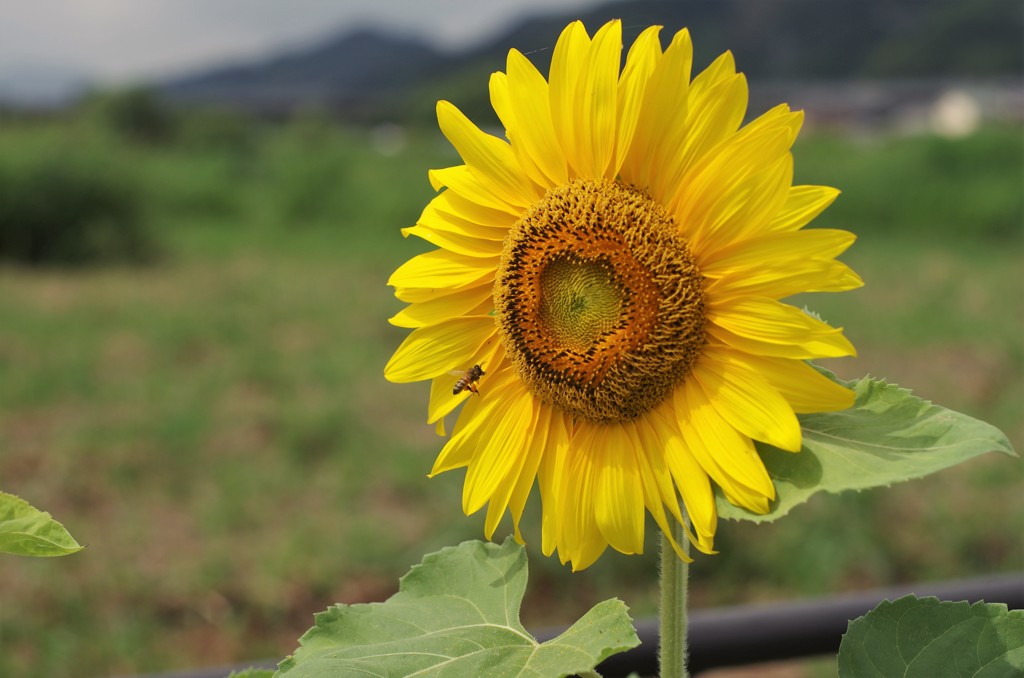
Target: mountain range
<point x="368" y="75"/>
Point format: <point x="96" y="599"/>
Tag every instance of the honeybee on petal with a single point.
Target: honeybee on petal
<point x="467" y="380"/>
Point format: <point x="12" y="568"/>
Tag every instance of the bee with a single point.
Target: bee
<point x="467" y="380"/>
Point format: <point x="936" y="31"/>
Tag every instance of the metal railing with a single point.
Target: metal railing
<point x="751" y="634"/>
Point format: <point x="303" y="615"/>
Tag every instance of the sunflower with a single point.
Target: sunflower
<point x="607" y="282"/>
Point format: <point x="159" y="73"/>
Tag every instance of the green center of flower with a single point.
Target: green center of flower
<point x="599" y="301"/>
<point x="579" y="301"/>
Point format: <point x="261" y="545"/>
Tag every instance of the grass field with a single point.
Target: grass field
<point x="215" y="425"/>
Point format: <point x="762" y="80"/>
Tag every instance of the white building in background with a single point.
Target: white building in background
<point x="955" y="114"/>
<point x="948" y="107"/>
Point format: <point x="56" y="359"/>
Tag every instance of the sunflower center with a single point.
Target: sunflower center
<point x="599" y="301"/>
<point x="579" y="301"/>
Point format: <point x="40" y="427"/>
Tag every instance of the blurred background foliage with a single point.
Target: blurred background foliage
<point x="192" y="347"/>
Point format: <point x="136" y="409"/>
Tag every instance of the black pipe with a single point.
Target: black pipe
<point x="751" y="634"/>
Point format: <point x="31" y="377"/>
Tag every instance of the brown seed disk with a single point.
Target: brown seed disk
<point x="599" y="301"/>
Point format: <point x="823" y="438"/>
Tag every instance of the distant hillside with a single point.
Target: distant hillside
<point x="372" y="76"/>
<point x="40" y="87"/>
<point x="347" y="71"/>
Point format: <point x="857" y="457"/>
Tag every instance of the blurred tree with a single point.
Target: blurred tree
<point x="67" y="204"/>
<point x="136" y="114"/>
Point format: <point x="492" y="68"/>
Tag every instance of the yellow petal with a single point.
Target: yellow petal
<point x="458" y="452"/>
<point x="419" y="295"/>
<point x="655" y="473"/>
<point x="440" y="403"/>
<point x="451" y="205"/>
<point x="656" y="477"/>
<point x="454" y="242"/>
<point x="489" y="158"/>
<point x="566" y="65"/>
<point x="528" y="473"/>
<point x="618" y="491"/>
<point x="690" y="478"/>
<point x="596" y="102"/>
<point x="501" y="100"/>
<point x="535" y="131"/>
<point x="782" y="250"/>
<point x="713" y="178"/>
<point x="716" y="120"/>
<point x="725" y="454"/>
<point x="802" y="204"/>
<point x="434" y="350"/>
<point x="720" y="70"/>
<point x="806" y="389"/>
<point x="782" y="264"/>
<point x="442" y="308"/>
<point x="710" y="119"/>
<point x="443" y="400"/>
<point x="473" y="429"/>
<point x="746" y="400"/>
<point x="437" y="273"/>
<point x="778" y="282"/>
<point x="436" y="218"/>
<point x="463" y="181"/>
<point x="506" y="439"/>
<point x="582" y="541"/>
<point x="709" y="176"/>
<point x="770" y="323"/>
<point x="760" y="348"/>
<point x="742" y="212"/>
<point x="659" y="129"/>
<point x="641" y="61"/>
<point x="778" y="117"/>
<point x="551" y="476"/>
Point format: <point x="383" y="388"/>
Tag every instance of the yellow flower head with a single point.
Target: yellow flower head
<point x="607" y="290"/>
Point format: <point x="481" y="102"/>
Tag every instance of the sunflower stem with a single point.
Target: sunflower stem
<point x="672" y="629"/>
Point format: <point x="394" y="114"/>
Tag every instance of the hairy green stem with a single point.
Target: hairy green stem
<point x="674" y="575"/>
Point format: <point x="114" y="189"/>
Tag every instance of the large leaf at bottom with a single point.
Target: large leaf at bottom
<point x="888" y="436"/>
<point x="27" y="531"/>
<point x="921" y="638"/>
<point x="456" y="614"/>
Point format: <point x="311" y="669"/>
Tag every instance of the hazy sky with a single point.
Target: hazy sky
<point x="118" y="40"/>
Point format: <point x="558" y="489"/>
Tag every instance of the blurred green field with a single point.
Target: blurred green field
<point x="214" y="425"/>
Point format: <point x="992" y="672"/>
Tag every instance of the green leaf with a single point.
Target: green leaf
<point x="922" y="637"/>
<point x="26" y="531"/>
<point x="456" y="614"/>
<point x="888" y="436"/>
<point x="252" y="673"/>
